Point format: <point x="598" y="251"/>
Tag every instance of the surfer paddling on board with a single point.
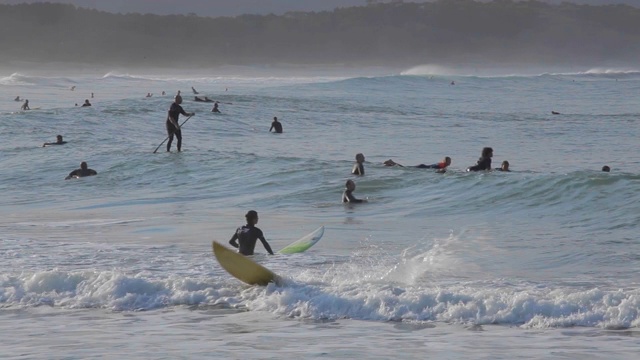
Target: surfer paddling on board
<point x="82" y="172"/>
<point x="173" y="127"/>
<point x="245" y="237"/>
<point x="58" y="142"/>
<point x="441" y="166"/>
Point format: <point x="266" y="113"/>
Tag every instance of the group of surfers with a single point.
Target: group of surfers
<point x="246" y="236"/>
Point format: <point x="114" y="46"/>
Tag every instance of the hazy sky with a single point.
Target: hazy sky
<point x="238" y="7"/>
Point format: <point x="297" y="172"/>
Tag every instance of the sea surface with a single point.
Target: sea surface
<point x="539" y="263"/>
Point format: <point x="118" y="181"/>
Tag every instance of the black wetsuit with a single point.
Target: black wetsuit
<point x="174" y="112"/>
<point x="347" y="197"/>
<point x="247" y="236"/>
<point x="276" y="125"/>
<point x="358" y="169"/>
<point x="484" y="163"/>
<point x="82" y="173"/>
<point x="86" y="104"/>
<point x="215" y="108"/>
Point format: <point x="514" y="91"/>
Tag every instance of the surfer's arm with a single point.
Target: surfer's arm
<point x="271" y="128"/>
<point x="234" y="240"/>
<point x="266" y="245"/>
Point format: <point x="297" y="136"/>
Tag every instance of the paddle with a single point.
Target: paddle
<point x="167" y="138"/>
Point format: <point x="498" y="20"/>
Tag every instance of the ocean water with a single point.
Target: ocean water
<point x="541" y="262"/>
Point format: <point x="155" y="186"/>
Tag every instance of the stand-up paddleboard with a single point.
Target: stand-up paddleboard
<point x="241" y="267"/>
<point x="304" y="243"/>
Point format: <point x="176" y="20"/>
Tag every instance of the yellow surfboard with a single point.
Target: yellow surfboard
<point x="242" y="267"/>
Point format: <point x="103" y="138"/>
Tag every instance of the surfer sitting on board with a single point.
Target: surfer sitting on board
<point x="215" y="108"/>
<point x="86" y="103"/>
<point x="83" y="171"/>
<point x="244" y="239"/>
<point x="347" y="196"/>
<point x="441" y="166"/>
<point x="358" y="167"/>
<point x="276" y="125"/>
<point x="484" y="163"/>
<point x="58" y="141"/>
<point x="25" y="106"/>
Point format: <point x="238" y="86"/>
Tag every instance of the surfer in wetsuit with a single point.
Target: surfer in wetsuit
<point x="173" y="127"/>
<point x="83" y="171"/>
<point x="441" y="166"/>
<point x="347" y="195"/>
<point x="86" y="103"/>
<point x="276" y="125"/>
<point x="504" y="166"/>
<point x="215" y="108"/>
<point x="58" y="141"/>
<point x="358" y="167"/>
<point x="484" y="163"/>
<point x="245" y="237"/>
<point x="25" y="106"/>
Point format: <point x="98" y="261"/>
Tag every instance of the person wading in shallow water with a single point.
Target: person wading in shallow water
<point x="245" y="237"/>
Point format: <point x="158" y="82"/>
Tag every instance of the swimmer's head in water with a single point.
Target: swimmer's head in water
<point x="606" y="168"/>
<point x="360" y="157"/>
<point x="251" y="215"/>
<point x="83" y="165"/>
<point x="178" y="99"/>
<point x="59" y="137"/>
<point x="447" y="161"/>
<point x="505" y="165"/>
<point x="350" y="185"/>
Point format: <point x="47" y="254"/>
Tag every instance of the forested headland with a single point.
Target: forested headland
<point x="444" y="32"/>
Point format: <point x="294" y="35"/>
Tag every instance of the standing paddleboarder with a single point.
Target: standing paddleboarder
<point x="173" y="127"/>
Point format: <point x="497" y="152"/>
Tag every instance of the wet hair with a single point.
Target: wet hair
<point x="178" y="98"/>
<point x="275" y="118"/>
<point x="606" y="168"/>
<point x="349" y="182"/>
<point x="358" y="155"/>
<point x="83" y="165"/>
<point x="487" y="151"/>
<point x="58" y="136"/>
<point x="251" y="214"/>
<point x="505" y="163"/>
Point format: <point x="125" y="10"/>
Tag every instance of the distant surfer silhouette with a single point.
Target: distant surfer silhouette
<point x="194" y="90"/>
<point x="347" y="195"/>
<point x="215" y="108"/>
<point x="606" y="168"/>
<point x="440" y="166"/>
<point x="17" y="98"/>
<point x="25" y="105"/>
<point x="358" y="167"/>
<point x="276" y="125"/>
<point x="555" y="113"/>
<point x="82" y="172"/>
<point x="484" y="163"/>
<point x="86" y="103"/>
<point x="59" y="141"/>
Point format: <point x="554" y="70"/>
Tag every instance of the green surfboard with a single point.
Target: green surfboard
<point x="304" y="243"/>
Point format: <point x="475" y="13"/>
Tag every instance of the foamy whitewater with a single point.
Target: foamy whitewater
<point x="539" y="263"/>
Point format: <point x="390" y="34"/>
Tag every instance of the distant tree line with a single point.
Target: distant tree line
<point x="398" y="33"/>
